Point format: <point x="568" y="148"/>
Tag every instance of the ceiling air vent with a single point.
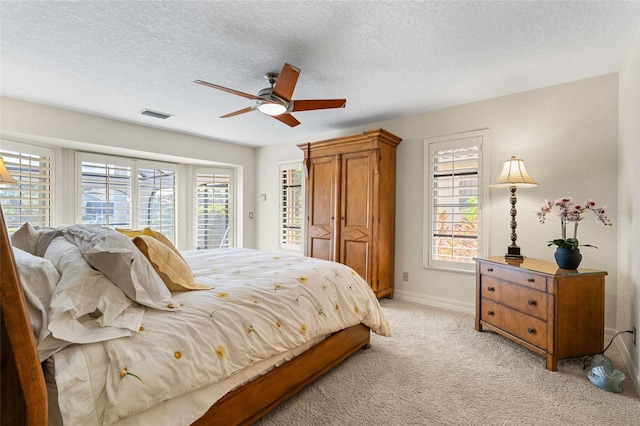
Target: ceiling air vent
<point x="155" y="114"/>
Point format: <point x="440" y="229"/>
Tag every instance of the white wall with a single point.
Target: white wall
<point x="566" y="134"/>
<point x="268" y="182"/>
<point x="628" y="312"/>
<point x="46" y="125"/>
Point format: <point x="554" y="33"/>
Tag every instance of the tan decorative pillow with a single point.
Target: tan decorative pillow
<point x="169" y="265"/>
<point x="132" y="233"/>
<point x="164" y="240"/>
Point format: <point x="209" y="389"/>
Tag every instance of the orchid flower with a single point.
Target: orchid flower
<point x="568" y="211"/>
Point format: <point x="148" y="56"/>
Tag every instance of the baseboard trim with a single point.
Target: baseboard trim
<point x="631" y="368"/>
<point x="438" y="302"/>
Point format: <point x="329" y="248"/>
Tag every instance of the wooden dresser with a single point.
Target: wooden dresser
<point x="350" y="195"/>
<point x="554" y="312"/>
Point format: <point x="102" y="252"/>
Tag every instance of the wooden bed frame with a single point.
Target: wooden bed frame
<point x="24" y="393"/>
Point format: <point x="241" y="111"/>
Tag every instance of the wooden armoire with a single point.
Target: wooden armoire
<point x="350" y="204"/>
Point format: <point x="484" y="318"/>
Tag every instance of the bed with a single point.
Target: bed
<point x="249" y="330"/>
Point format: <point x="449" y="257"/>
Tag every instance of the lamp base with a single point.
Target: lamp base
<point x="513" y="252"/>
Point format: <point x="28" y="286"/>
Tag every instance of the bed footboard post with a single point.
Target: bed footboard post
<point x="24" y="392"/>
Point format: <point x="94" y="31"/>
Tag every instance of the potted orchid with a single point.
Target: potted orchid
<point x="571" y="213"/>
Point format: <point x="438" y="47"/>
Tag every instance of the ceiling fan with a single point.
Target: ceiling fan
<point x="276" y="100"/>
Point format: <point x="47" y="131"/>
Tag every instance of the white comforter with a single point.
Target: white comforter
<point x="260" y="304"/>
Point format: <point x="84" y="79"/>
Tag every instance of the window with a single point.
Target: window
<point x="31" y="200"/>
<point x="291" y="207"/>
<point x="214" y="213"/>
<point x="157" y="199"/>
<point x="453" y="199"/>
<point x="105" y="193"/>
<point x="125" y="193"/>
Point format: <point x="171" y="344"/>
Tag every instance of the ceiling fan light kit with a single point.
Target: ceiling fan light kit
<point x="275" y="101"/>
<point x="271" y="108"/>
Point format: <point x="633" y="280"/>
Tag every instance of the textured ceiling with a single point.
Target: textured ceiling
<point x="387" y="58"/>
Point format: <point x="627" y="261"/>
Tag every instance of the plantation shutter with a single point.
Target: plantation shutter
<point x="291" y="207"/>
<point x="214" y="213"/>
<point x="31" y="200"/>
<point x="106" y="188"/>
<point x="157" y="200"/>
<point x="454" y="165"/>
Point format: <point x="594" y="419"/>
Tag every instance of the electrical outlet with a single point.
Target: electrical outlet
<point x="634" y="335"/>
<point x="405" y="276"/>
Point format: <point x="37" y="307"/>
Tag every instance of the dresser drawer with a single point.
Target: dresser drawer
<point x="523" y="299"/>
<point x="519" y="276"/>
<point x="525" y="327"/>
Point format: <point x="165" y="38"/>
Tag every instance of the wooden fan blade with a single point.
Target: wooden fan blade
<point x="286" y="82"/>
<point x="226" y="89"/>
<point x="240" y="111"/>
<point x="311" y="104"/>
<point x="287" y="119"/>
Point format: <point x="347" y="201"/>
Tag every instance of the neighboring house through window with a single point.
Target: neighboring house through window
<point x="291" y="205"/>
<point x="453" y="200"/>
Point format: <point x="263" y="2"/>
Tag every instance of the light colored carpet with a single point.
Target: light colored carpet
<point x="437" y="370"/>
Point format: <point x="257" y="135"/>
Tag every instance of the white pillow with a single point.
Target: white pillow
<point x="26" y="238"/>
<point x="85" y="305"/>
<point x="39" y="278"/>
<point x="115" y="255"/>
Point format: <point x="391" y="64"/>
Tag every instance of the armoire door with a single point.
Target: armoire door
<point x="322" y="207"/>
<point x="356" y="217"/>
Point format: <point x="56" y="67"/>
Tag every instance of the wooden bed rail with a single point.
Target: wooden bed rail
<point x="23" y="389"/>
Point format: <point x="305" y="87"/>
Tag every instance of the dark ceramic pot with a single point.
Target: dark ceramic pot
<point x="567" y="258"/>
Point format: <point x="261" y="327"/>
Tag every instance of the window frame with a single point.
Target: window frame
<point x="282" y="201"/>
<point x="37" y="151"/>
<point x="479" y="138"/>
<point x="135" y="165"/>
<point x="65" y="184"/>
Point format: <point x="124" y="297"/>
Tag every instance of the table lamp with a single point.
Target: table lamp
<point x="5" y="177"/>
<point x="514" y="175"/>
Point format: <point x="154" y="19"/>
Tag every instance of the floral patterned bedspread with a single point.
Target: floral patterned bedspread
<point x="260" y="304"/>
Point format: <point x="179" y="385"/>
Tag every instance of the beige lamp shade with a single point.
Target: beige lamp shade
<point x="514" y="174"/>
<point x="5" y="177"/>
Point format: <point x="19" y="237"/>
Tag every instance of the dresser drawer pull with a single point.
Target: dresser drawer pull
<point x="531" y="280"/>
<point x="491" y="289"/>
<point x="489" y="269"/>
<point x="490" y="313"/>
<point x="532" y="302"/>
<point x="531" y="330"/>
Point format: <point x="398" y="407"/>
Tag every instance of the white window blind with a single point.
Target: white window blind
<point x="453" y="200"/>
<point x="31" y="200"/>
<point x="214" y="208"/>
<point x="291" y="206"/>
<point x="124" y="193"/>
